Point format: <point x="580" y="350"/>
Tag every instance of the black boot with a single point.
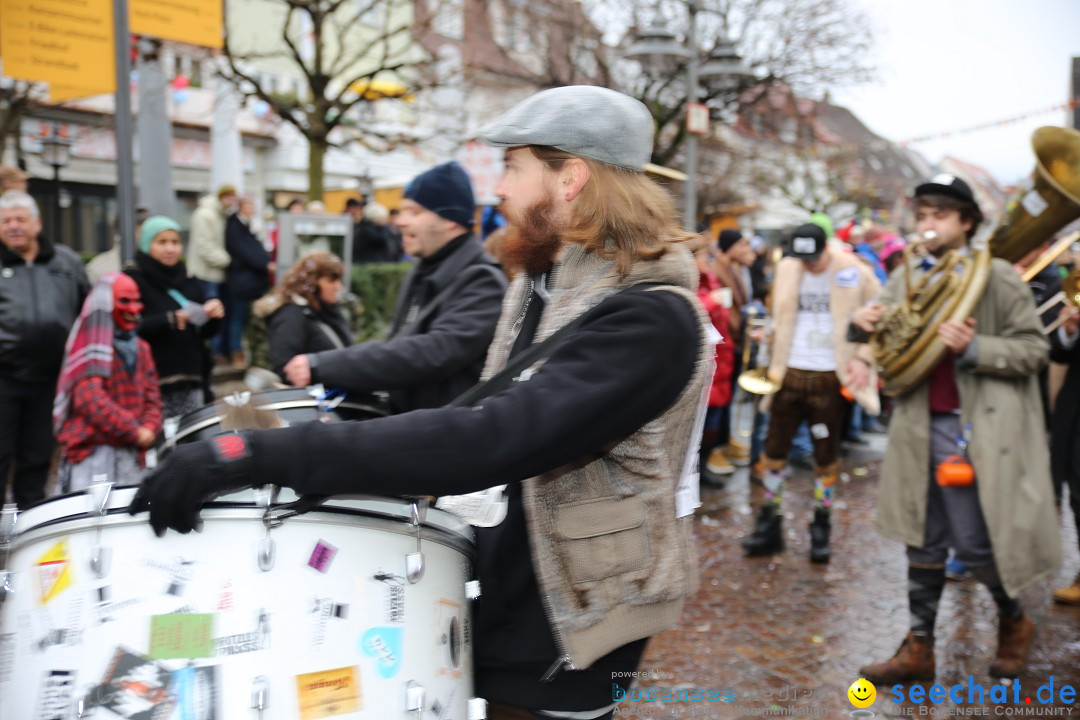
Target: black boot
<point x="768" y="536"/>
<point x="819" y="536"/>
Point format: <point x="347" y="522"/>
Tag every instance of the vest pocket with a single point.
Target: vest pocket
<point x="603" y="538"/>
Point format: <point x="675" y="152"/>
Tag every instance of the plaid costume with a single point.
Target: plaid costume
<point x="98" y="402"/>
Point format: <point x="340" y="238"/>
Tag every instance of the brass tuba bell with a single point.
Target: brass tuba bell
<point x="906" y="345"/>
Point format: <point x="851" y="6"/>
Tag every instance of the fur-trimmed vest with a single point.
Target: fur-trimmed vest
<point x="611" y="559"/>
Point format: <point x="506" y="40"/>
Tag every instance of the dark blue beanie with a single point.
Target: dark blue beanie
<point x="446" y="191"/>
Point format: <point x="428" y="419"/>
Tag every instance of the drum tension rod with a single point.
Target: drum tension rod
<point x="414" y="562"/>
<point x="267" y="551"/>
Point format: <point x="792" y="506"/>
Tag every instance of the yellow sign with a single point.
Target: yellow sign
<point x="329" y="693"/>
<point x="67" y="43"/>
<point x="196" y="22"/>
<point x="61" y="93"/>
<point x="54" y="572"/>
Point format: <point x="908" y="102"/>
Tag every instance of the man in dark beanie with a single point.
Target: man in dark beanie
<point x="732" y="268"/>
<point x="446" y="312"/>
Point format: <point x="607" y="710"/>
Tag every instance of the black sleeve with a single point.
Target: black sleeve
<point x="625" y="365"/>
<point x="243" y="247"/>
<point x="1059" y="354"/>
<point x="287" y="337"/>
<point x="456" y="338"/>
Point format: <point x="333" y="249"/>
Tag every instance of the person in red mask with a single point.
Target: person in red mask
<point x="107" y="410"/>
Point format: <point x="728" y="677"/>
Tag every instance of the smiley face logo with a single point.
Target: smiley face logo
<point x="862" y="693"/>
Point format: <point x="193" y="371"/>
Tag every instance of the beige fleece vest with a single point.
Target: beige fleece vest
<point x="611" y="559"/>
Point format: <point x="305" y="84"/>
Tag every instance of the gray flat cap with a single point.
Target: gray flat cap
<point x="593" y="122"/>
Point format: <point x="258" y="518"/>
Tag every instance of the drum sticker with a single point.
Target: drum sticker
<point x="395" y="599"/>
<point x="185" y="635"/>
<point x="385" y="645"/>
<point x="246" y="642"/>
<point x="56" y="691"/>
<point x="329" y="693"/>
<point x="134" y="687"/>
<point x="322" y="556"/>
<point x="225" y="601"/>
<point x="105" y="608"/>
<point x="7" y="656"/>
<point x="325" y="609"/>
<point x="196" y="693"/>
<point x="448" y="624"/>
<point x="53" y="572"/>
<point x="71" y="635"/>
<point x="179" y="570"/>
<point x="442" y="709"/>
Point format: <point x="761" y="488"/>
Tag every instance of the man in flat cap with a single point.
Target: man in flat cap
<point x="446" y="311"/>
<point x="596" y="444"/>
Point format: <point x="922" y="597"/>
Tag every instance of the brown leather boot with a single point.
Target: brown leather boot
<point x="913" y="661"/>
<point x="1014" y="644"/>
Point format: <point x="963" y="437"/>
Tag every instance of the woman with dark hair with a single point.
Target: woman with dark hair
<point x="302" y="313"/>
<point x="175" y="318"/>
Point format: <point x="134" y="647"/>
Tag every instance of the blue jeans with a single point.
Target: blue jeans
<point x="801" y="445"/>
<point x="231" y="338"/>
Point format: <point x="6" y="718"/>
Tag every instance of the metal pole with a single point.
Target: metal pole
<point x="690" y="211"/>
<point x="125" y="187"/>
<point x="56" y="205"/>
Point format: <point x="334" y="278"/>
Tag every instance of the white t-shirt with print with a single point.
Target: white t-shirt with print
<point x="813" y="347"/>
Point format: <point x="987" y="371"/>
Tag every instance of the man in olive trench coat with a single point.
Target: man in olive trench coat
<point x="983" y="397"/>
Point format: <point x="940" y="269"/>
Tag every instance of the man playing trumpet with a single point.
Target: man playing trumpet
<point x="975" y="424"/>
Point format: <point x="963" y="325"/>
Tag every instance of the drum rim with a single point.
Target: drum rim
<point x="118" y="517"/>
<point x="183" y="431"/>
<point x="460" y="535"/>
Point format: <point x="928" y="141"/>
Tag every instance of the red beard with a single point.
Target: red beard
<point x="532" y="241"/>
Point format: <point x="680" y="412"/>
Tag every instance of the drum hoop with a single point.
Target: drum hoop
<point x="203" y="424"/>
<point x="119" y="517"/>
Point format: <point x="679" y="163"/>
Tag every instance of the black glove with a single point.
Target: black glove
<point x="192" y="474"/>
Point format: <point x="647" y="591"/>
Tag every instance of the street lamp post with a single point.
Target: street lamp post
<point x="56" y="151"/>
<point x="656" y="49"/>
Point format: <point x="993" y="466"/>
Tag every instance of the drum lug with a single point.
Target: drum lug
<point x="7" y="528"/>
<point x="476" y="709"/>
<point x="98" y="495"/>
<point x="472" y="589"/>
<point x="100" y="560"/>
<point x="267" y="553"/>
<point x="414" y="698"/>
<point x="414" y="562"/>
<point x="260" y="691"/>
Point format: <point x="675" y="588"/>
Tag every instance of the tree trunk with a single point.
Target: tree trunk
<point x="316" y="154"/>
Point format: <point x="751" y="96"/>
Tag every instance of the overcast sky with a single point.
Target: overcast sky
<point x="947" y="65"/>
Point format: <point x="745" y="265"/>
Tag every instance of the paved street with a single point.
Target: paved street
<point x="783" y="637"/>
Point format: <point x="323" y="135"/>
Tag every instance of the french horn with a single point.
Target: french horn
<point x="906" y="345"/>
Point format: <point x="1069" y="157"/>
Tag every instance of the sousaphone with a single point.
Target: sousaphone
<point x="906" y="344"/>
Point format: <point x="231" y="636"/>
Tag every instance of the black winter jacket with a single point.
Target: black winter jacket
<point x="427" y="364"/>
<point x="179" y="355"/>
<point x="296" y="329"/>
<point x="247" y="277"/>
<point x="39" y="303"/>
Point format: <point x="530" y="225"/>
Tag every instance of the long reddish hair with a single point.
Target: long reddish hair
<point x="621" y="215"/>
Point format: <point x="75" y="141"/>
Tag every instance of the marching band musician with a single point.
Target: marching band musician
<point x="594" y="552"/>
<point x="814" y="293"/>
<point x="976" y="425"/>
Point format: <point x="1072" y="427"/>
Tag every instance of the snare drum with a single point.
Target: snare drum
<point x="293" y="405"/>
<point x="356" y="609"/>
